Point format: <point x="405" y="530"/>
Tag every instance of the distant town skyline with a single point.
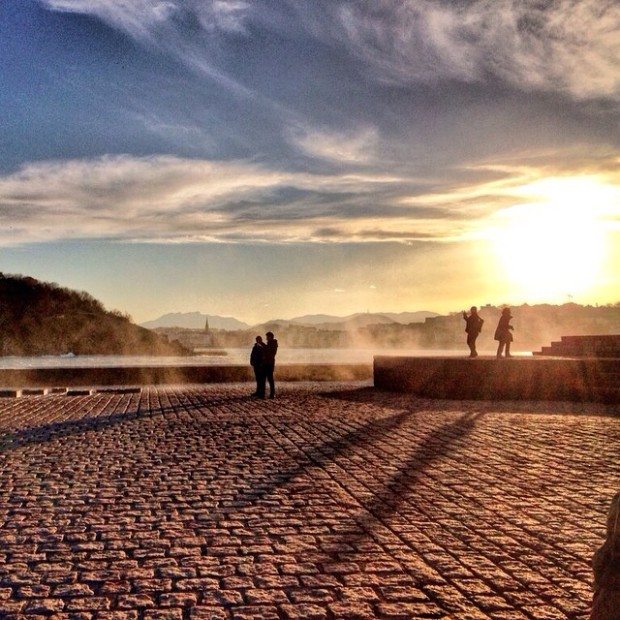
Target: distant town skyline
<point x="270" y="159"/>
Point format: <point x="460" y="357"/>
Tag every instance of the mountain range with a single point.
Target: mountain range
<point x="197" y="320"/>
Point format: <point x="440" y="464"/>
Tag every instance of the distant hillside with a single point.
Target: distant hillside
<point x="195" y="320"/>
<point x="410" y="317"/>
<point x="326" y="320"/>
<point x="361" y="319"/>
<point x="37" y="318"/>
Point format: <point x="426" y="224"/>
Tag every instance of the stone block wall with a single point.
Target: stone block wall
<point x="511" y="379"/>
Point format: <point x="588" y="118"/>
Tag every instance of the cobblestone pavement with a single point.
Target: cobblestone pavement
<point x="331" y="501"/>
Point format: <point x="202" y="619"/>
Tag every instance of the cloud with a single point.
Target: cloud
<point x="138" y="18"/>
<point x="166" y="198"/>
<point x="355" y="147"/>
<point x="570" y="47"/>
<point x="172" y="199"/>
<point x="144" y="18"/>
<point x="190" y="31"/>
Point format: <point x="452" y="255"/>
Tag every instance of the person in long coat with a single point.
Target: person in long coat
<point x="503" y="333"/>
<point x="271" y="348"/>
<point x="257" y="361"/>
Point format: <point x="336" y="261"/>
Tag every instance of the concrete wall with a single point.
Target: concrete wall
<point x="153" y="375"/>
<point x="512" y="379"/>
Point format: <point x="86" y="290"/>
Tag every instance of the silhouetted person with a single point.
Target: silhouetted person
<point x="502" y="333"/>
<point x="257" y="361"/>
<point x="269" y="362"/>
<point x="473" y="325"/>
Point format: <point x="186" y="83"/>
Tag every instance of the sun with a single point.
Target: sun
<point x="553" y="246"/>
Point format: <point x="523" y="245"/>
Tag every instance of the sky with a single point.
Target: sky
<point x="273" y="158"/>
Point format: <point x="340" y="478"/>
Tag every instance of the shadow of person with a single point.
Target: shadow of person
<point x="379" y="507"/>
<point x="47" y="432"/>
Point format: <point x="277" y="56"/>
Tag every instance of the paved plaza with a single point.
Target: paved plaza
<point x="331" y="501"/>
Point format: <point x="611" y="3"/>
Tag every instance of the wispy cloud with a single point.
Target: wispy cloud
<point x="571" y="47"/>
<point x="171" y="199"/>
<point x="344" y="147"/>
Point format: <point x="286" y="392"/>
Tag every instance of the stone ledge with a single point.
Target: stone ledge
<point x="175" y="375"/>
<point x="522" y="378"/>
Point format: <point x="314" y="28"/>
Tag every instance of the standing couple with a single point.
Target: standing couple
<point x="473" y="326"/>
<point x="263" y="360"/>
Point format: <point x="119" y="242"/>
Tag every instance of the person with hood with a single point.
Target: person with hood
<point x="473" y="326"/>
<point x="257" y="361"/>
<point x="503" y="333"/>
<point x="269" y="362"/>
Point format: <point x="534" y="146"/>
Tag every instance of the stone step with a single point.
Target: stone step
<point x="603" y="345"/>
<point x="609" y="339"/>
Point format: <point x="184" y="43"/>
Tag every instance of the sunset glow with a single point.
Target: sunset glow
<point x="272" y="159"/>
<point x="554" y="247"/>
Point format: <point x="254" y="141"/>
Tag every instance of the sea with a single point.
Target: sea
<point x="226" y="357"/>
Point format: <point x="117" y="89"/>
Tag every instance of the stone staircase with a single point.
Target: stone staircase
<point x="604" y="382"/>
<point x="584" y="346"/>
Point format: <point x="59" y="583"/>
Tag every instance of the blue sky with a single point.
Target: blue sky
<point x="272" y="158"/>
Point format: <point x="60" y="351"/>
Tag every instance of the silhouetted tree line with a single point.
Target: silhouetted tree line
<point x="39" y="318"/>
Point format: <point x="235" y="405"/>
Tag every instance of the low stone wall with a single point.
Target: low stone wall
<point x="174" y="375"/>
<point x="521" y="378"/>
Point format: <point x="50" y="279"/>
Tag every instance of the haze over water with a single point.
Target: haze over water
<point x="232" y="357"/>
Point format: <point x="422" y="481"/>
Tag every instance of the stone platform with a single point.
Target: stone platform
<point x="330" y="502"/>
<point x="518" y="378"/>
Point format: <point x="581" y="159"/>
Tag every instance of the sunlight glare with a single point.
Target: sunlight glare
<point x="553" y="247"/>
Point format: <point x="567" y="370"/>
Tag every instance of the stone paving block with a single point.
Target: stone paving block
<point x="303" y="612"/>
<point x="331" y="501"/>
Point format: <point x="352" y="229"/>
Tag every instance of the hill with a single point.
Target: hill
<point x="38" y="318"/>
<point x="405" y="318"/>
<point x="195" y="320"/>
<point x="362" y="318"/>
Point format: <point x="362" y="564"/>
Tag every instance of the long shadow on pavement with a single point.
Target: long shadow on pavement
<point x="438" y="443"/>
<point x="40" y="434"/>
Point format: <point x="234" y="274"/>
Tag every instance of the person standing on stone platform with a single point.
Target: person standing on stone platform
<point x="473" y="326"/>
<point x="503" y="333"/>
<point x="257" y="361"/>
<point x="269" y="362"/>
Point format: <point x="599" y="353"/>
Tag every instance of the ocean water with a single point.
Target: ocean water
<point x="227" y="357"/>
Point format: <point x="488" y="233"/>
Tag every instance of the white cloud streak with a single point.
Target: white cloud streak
<point x="171" y="199"/>
<point x="572" y="47"/>
<point x="357" y="147"/>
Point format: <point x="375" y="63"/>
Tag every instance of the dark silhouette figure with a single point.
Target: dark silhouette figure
<point x="269" y="362"/>
<point x="503" y="333"/>
<point x="473" y="325"/>
<point x="257" y="361"/>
